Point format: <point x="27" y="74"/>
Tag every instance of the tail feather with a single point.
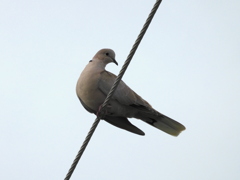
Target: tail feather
<point x="161" y="122"/>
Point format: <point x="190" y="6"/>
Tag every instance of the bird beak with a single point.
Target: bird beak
<point x="115" y="62"/>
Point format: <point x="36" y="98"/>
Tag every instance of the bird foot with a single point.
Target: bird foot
<point x="102" y="112"/>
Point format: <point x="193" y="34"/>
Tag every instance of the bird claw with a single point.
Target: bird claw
<point x="102" y="112"/>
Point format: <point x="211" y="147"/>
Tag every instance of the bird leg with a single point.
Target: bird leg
<point x="102" y="112"/>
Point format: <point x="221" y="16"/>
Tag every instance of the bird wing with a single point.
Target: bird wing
<point x="123" y="94"/>
<point x="123" y="123"/>
<point x="126" y="96"/>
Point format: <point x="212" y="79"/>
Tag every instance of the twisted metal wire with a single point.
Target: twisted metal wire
<point x="111" y="92"/>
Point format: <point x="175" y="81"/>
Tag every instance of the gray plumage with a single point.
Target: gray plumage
<point x="93" y="86"/>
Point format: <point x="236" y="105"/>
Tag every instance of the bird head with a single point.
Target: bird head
<point x="106" y="56"/>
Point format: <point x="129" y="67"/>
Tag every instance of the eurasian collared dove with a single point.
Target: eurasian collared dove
<point x="93" y="86"/>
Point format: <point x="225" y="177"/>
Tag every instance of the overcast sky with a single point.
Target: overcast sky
<point x="187" y="67"/>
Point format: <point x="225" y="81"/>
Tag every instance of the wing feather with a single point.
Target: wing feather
<point x="123" y="94"/>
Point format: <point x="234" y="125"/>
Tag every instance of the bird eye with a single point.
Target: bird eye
<point x="107" y="54"/>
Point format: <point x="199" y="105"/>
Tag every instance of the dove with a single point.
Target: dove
<point x="93" y="86"/>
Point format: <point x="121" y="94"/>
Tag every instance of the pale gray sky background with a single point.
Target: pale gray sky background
<point x="187" y="67"/>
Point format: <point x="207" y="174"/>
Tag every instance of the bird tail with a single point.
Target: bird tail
<point x="160" y="121"/>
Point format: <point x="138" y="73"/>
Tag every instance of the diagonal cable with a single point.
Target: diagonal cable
<point x="110" y="94"/>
